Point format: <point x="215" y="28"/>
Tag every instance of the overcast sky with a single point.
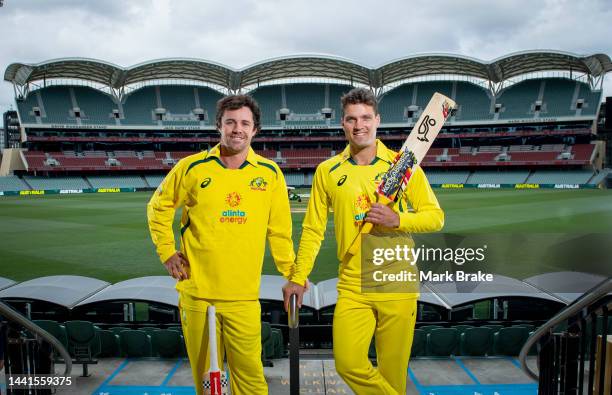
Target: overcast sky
<point x="240" y="32"/>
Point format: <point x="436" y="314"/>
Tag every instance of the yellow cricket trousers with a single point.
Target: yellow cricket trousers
<point x="392" y="324"/>
<point x="238" y="336"/>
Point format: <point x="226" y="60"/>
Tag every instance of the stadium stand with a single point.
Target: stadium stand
<point x="117" y="181"/>
<point x="12" y="183"/>
<point x="455" y="177"/>
<point x="393" y="106"/>
<point x="270" y="99"/>
<point x="58" y="105"/>
<point x="139" y="107"/>
<point x="96" y="108"/>
<point x="473" y="102"/>
<point x="497" y="177"/>
<point x="154" y="180"/>
<point x="560" y="177"/>
<point x="56" y="182"/>
<point x="207" y="100"/>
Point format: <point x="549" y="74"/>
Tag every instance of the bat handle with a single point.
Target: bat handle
<point x="294" y="313"/>
<point x="212" y="338"/>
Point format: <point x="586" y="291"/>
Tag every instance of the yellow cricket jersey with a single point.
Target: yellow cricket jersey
<point x="227" y="215"/>
<point x="348" y="189"/>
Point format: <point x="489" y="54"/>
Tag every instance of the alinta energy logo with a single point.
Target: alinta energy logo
<point x="237" y="216"/>
<point x="361" y="206"/>
<point x="258" y="184"/>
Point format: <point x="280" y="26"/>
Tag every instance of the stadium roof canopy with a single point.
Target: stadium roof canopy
<point x="567" y="286"/>
<point x="66" y="291"/>
<point x="158" y="289"/>
<point x="6" y="282"/>
<point x="308" y="66"/>
<point x="458" y="293"/>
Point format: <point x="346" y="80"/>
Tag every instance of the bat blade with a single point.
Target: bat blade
<point x="414" y="149"/>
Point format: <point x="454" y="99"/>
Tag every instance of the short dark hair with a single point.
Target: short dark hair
<point x="359" y="96"/>
<point x="235" y="102"/>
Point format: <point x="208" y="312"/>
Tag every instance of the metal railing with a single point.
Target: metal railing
<point x="567" y="346"/>
<point x="16" y="317"/>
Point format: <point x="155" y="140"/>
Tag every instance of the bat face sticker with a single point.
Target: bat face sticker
<point x="424" y="128"/>
<point x="446" y="108"/>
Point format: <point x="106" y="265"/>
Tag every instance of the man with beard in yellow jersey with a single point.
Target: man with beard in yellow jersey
<point x="346" y="184"/>
<point x="232" y="200"/>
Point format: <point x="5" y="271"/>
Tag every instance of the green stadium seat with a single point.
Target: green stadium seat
<point x="509" y="341"/>
<point x="442" y="341"/>
<point x="279" y="344"/>
<point x="419" y="343"/>
<point x="529" y="327"/>
<point x="167" y="343"/>
<point x="84" y="343"/>
<point x="109" y="343"/>
<point x="429" y="328"/>
<point x="149" y="329"/>
<point x="55" y="329"/>
<point x="135" y="343"/>
<point x="118" y="329"/>
<point x="476" y="341"/>
<point x="495" y="327"/>
<point x="462" y="328"/>
<point x="267" y="344"/>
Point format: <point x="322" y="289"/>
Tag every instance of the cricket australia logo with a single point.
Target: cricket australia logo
<point x="258" y="184"/>
<point x="233" y="199"/>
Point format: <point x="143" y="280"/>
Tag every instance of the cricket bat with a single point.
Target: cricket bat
<point x="294" y="346"/>
<point x="420" y="139"/>
<point x="216" y="382"/>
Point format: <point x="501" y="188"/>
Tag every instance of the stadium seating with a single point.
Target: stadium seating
<point x="305" y="98"/>
<point x="442" y="341"/>
<point x="498" y="177"/>
<point x="518" y="99"/>
<point x="135" y="343"/>
<point x="27" y="105"/>
<point x="109" y="344"/>
<point x="12" y="183"/>
<point x="154" y="180"/>
<point x="438" y="177"/>
<point x="96" y="107"/>
<point x="58" y="105"/>
<point x="270" y="101"/>
<point x="592" y="99"/>
<point x="139" y="107"/>
<point x="55" y="329"/>
<point x="167" y="343"/>
<point x="393" y="105"/>
<point x="476" y="341"/>
<point x="560" y="177"/>
<point x="509" y="341"/>
<point x="557" y="99"/>
<point x="419" y="343"/>
<point x="473" y="102"/>
<point x="83" y="340"/>
<point x="56" y="182"/>
<point x="116" y="181"/>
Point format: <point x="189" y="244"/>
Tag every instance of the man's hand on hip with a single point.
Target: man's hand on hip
<point x="177" y="266"/>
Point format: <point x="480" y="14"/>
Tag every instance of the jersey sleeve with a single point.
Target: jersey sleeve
<point x="279" y="228"/>
<point x="313" y="228"/>
<point x="427" y="215"/>
<point x="169" y="196"/>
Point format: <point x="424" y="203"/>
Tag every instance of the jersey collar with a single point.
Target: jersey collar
<point x="251" y="158"/>
<point x="382" y="153"/>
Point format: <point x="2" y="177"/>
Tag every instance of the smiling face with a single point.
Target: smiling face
<point x="360" y="122"/>
<point x="237" y="130"/>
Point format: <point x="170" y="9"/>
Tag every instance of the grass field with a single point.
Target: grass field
<point x="105" y="235"/>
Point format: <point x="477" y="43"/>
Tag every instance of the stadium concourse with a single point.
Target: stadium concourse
<point x="128" y="355"/>
<point x="527" y="120"/>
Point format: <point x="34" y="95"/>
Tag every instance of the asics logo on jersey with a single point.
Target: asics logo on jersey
<point x="206" y="182"/>
<point x="342" y="180"/>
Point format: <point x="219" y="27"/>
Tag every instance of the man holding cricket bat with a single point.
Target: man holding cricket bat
<point x="346" y="183"/>
<point x="232" y="201"/>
